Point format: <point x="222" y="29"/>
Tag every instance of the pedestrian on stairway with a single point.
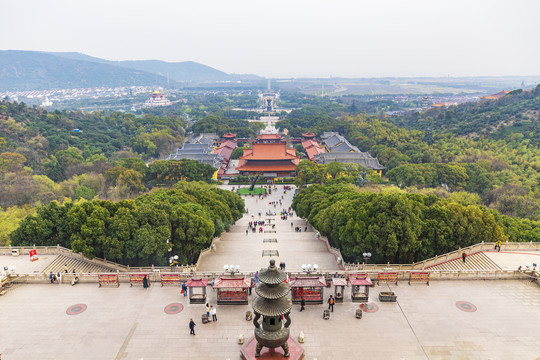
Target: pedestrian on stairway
<point x="65" y="268"/>
<point x="331" y="303"/>
<point x="463" y="256"/>
<point x="191" y="327"/>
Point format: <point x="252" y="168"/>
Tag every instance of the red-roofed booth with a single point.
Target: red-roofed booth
<point x="232" y="291"/>
<point x="360" y="287"/>
<point x="197" y="290"/>
<point x="311" y="288"/>
<point x="339" y="288"/>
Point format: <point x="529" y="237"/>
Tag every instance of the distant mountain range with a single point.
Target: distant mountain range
<point x="34" y="70"/>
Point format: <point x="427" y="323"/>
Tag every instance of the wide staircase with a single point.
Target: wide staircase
<point x="473" y="262"/>
<point x="79" y="265"/>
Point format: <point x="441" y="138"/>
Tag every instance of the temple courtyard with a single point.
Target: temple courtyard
<point x="449" y="319"/>
<point x="427" y="322"/>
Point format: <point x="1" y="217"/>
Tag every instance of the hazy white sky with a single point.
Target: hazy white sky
<point x="290" y="38"/>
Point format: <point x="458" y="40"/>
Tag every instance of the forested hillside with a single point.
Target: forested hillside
<point x="399" y="227"/>
<point x="517" y="112"/>
<point x="78" y="155"/>
<point x="503" y="173"/>
<point x="34" y="70"/>
<point x="136" y="232"/>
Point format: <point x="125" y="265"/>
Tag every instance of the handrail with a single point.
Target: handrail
<point x="483" y="246"/>
<point x="403" y="275"/>
<point x="59" y="250"/>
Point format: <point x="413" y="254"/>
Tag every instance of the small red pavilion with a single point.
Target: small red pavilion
<point x="197" y="290"/>
<point x="311" y="288"/>
<point x="360" y="287"/>
<point x="232" y="291"/>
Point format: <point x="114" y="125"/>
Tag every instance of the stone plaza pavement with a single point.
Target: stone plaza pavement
<point x="130" y="323"/>
<point x="511" y="260"/>
<point x="499" y="319"/>
<point x="295" y="248"/>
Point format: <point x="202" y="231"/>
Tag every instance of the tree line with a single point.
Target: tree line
<point x="400" y="227"/>
<point x="136" y="232"/>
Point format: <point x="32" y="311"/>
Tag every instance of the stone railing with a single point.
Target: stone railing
<point x="506" y="246"/>
<point x="332" y="250"/>
<point x="59" y="250"/>
<point x="375" y="267"/>
<point x="403" y="276"/>
<point x="212" y="247"/>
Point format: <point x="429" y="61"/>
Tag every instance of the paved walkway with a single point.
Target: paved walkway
<point x="295" y="248"/>
<point x="23" y="265"/>
<point x="130" y="323"/>
<point x="511" y="260"/>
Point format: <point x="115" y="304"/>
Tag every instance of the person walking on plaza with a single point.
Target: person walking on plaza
<point x="213" y="312"/>
<point x="145" y="282"/>
<point x="302" y="304"/>
<point x="463" y="256"/>
<point x="184" y="289"/>
<point x="331" y="303"/>
<point x="191" y="327"/>
<point x="208" y="311"/>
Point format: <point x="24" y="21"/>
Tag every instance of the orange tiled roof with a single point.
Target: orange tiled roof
<point x="264" y="166"/>
<point x="269" y="137"/>
<point x="312" y="148"/>
<point x="271" y="151"/>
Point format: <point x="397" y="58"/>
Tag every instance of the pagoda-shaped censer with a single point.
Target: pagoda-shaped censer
<point x="274" y="306"/>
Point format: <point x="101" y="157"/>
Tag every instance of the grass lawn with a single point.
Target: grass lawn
<point x="256" y="191"/>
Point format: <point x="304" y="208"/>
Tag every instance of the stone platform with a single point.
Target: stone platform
<point x="296" y="352"/>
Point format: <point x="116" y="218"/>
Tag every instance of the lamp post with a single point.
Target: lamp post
<point x="366" y="256"/>
<point x="231" y="268"/>
<point x="310" y="268"/>
<point x="173" y="260"/>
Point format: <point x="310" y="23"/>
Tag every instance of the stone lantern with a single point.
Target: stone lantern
<point x="272" y="304"/>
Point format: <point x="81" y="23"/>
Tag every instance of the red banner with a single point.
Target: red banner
<point x="33" y="255"/>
